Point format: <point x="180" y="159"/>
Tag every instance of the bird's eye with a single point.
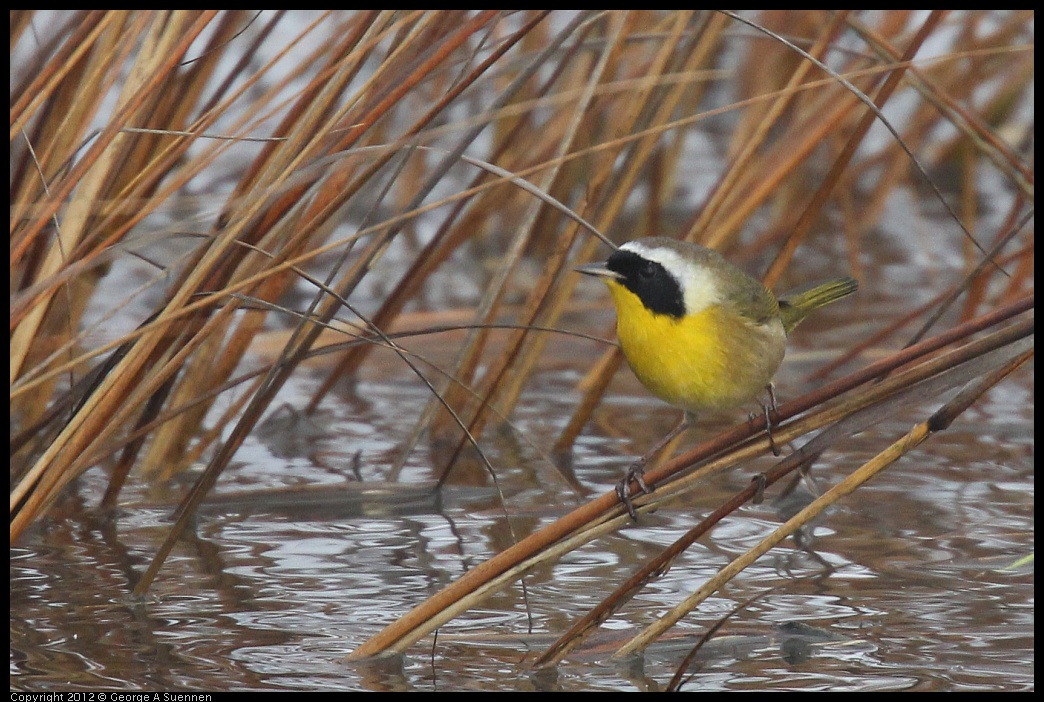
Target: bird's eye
<point x="647" y="270"/>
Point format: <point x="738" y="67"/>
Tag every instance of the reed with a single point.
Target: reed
<point x="233" y="157"/>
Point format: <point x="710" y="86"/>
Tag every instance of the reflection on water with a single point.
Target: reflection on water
<point x="280" y="581"/>
<point x="323" y="531"/>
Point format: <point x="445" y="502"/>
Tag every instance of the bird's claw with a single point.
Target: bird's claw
<point x="635" y="473"/>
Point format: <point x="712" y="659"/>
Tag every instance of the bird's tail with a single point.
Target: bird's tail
<point x="794" y="307"/>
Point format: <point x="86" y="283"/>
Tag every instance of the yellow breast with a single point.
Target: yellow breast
<point x="712" y="360"/>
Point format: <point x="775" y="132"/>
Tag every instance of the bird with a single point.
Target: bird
<point x="698" y="332"/>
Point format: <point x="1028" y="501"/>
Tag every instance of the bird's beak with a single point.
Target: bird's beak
<point x="597" y="269"/>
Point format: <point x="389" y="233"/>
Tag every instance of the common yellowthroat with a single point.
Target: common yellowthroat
<point x="698" y="332"/>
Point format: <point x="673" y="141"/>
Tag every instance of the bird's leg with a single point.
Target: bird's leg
<point x="760" y="481"/>
<point x="766" y="410"/>
<point x="636" y="471"/>
<point x="771" y="407"/>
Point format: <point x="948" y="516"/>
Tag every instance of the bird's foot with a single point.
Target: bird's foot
<point x="635" y="473"/>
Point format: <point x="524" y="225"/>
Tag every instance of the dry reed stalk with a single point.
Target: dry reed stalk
<point x="867" y="404"/>
<point x="323" y="139"/>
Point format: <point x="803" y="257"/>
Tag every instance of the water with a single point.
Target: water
<point x="304" y="551"/>
<point x="272" y="591"/>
